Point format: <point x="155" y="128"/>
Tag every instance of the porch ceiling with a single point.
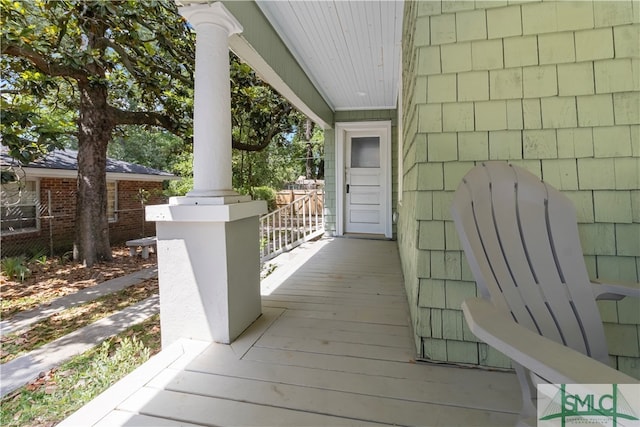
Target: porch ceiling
<point x="349" y="49"/>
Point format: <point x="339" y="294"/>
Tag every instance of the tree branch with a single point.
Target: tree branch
<point x="122" y="117"/>
<point x="250" y="147"/>
<point x="128" y="61"/>
<point x="42" y="64"/>
<point x="124" y="57"/>
<point x="274" y="130"/>
<point x="255" y="147"/>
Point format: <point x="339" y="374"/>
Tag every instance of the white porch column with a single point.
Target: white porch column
<point x="208" y="242"/>
<point x="212" y="99"/>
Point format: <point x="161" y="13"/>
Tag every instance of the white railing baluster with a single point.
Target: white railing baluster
<point x="279" y="231"/>
<point x="272" y="242"/>
<point x="296" y="221"/>
<point x="262" y="242"/>
<point x="304" y="218"/>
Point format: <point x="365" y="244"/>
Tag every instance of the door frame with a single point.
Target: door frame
<point x="384" y="127"/>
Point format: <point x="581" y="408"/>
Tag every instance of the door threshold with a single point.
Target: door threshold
<point x="365" y="236"/>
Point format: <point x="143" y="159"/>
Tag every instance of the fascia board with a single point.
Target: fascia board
<point x="115" y="176"/>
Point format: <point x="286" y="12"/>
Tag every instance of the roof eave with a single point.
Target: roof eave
<point x="73" y="174"/>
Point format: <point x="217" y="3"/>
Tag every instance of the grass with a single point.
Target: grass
<point x="67" y="321"/>
<point x="9" y="307"/>
<point x="62" y="391"/>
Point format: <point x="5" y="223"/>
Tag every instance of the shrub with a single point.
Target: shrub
<point x="15" y="267"/>
<point x="267" y="194"/>
<point x="39" y="257"/>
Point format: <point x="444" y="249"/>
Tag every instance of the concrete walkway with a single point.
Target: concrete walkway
<point x="28" y="367"/>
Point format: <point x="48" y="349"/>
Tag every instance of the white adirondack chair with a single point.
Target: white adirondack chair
<point x="520" y="238"/>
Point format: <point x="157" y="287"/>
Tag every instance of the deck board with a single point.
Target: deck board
<point x="348" y="299"/>
<point x="287" y="320"/>
<point x="205" y="410"/>
<point x="334" y="335"/>
<point x="366" y="407"/>
<point x="333" y="347"/>
<point x="444" y="391"/>
<point x="384" y="316"/>
<point x="123" y="418"/>
<point x="324" y="346"/>
<point x="385" y="369"/>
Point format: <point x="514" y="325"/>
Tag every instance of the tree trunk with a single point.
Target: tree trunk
<point x="94" y="132"/>
<point x="320" y="174"/>
<point x="309" y="161"/>
<point x="309" y="155"/>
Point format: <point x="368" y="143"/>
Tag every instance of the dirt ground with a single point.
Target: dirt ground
<point x="56" y="277"/>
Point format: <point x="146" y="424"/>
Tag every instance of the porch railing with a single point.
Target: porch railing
<point x="291" y="225"/>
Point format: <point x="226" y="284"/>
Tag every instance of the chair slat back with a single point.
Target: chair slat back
<point x="563" y="227"/>
<point x="521" y="240"/>
<point x="507" y="218"/>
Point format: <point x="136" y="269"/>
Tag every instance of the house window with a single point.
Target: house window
<point x="20" y="203"/>
<point x="112" y="201"/>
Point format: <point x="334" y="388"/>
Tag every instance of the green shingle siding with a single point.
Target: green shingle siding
<point x="550" y="86"/>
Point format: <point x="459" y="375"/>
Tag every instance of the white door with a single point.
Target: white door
<point x="365" y="182"/>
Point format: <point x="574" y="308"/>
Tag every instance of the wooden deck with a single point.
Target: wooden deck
<point x="332" y="348"/>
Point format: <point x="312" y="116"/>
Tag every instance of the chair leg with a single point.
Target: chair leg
<point x="529" y="393"/>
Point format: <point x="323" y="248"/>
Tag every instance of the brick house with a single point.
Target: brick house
<point x="38" y="211"/>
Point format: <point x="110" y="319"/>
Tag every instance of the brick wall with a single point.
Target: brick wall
<point x="550" y="86"/>
<point x="58" y="226"/>
<point x="131" y="223"/>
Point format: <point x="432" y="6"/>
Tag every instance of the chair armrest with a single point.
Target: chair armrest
<point x="615" y="291"/>
<point x="550" y="360"/>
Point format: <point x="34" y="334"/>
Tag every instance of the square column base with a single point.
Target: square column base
<point x="208" y="269"/>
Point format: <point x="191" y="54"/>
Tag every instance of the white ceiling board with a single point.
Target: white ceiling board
<point x="349" y="49"/>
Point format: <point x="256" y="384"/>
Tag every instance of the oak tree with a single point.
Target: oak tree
<point x="93" y="57"/>
<point x="81" y="70"/>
